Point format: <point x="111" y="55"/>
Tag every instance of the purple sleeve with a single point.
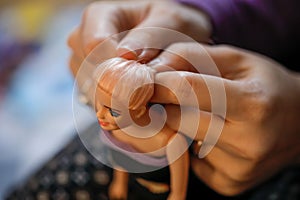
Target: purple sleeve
<point x="270" y="27"/>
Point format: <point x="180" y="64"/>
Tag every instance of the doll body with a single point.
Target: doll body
<point x="165" y="144"/>
<point x="157" y="182"/>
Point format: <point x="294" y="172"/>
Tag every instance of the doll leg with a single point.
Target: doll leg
<point x="138" y="192"/>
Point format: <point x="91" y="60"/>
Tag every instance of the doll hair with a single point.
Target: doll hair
<point x="126" y="80"/>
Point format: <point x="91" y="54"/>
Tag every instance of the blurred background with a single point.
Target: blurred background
<point x="38" y="137"/>
<point x="36" y="118"/>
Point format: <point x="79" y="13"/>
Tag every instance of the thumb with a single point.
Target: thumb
<point x="154" y="33"/>
<point x="146" y="41"/>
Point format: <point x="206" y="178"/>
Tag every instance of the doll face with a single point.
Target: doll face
<point x="108" y="115"/>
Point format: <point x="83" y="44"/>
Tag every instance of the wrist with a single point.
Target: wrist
<point x="291" y="121"/>
<point x="295" y="103"/>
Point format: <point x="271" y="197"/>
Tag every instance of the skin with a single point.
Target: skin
<point x="118" y="16"/>
<point x="261" y="132"/>
<point x="176" y="149"/>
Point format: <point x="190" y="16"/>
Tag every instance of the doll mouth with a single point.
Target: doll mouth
<point x="103" y="123"/>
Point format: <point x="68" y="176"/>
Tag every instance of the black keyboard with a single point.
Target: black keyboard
<point x="73" y="173"/>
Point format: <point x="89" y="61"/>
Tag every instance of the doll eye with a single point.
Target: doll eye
<point x="114" y="113"/>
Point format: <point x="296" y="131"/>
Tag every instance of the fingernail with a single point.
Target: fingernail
<point x="127" y="53"/>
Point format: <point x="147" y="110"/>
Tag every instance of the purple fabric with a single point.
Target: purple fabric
<point x="131" y="152"/>
<point x="270" y="27"/>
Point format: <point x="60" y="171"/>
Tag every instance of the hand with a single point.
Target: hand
<point x="103" y="19"/>
<point x="260" y="135"/>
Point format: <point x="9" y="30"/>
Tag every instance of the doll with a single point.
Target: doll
<point x="154" y="158"/>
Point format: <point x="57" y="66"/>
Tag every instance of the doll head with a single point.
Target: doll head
<point x="122" y="84"/>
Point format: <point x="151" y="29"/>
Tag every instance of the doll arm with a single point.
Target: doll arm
<point x="179" y="166"/>
<point x="119" y="186"/>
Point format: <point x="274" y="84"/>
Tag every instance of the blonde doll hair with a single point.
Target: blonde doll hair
<point x="126" y="80"/>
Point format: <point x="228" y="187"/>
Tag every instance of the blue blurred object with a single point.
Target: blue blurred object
<point x="12" y="53"/>
<point x="36" y="112"/>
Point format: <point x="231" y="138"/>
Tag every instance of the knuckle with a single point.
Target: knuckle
<point x="243" y="175"/>
<point x="258" y="148"/>
<point x="232" y="54"/>
<point x="72" y="39"/>
<point x="260" y="105"/>
<point x="179" y="53"/>
<point x="232" y="190"/>
<point x="228" y="187"/>
<point x="94" y="7"/>
<point x="256" y="155"/>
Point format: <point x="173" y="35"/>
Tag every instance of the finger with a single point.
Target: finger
<point x="212" y="167"/>
<point x="215" y="180"/>
<point x="170" y="61"/>
<point x="238" y="169"/>
<point x="223" y="61"/>
<point x="154" y="33"/>
<point x="208" y="93"/>
<point x="74" y="64"/>
<point x="147" y="40"/>
<point x="204" y="127"/>
<point x="81" y="72"/>
<point x="179" y="24"/>
<point x="100" y="21"/>
<point x="75" y="44"/>
<point x="179" y="118"/>
<point x="187" y="56"/>
<point x="188" y="89"/>
<point x="71" y="41"/>
<point x="210" y="129"/>
<point x="228" y="59"/>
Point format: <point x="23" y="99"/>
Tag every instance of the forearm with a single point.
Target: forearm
<point x="265" y="26"/>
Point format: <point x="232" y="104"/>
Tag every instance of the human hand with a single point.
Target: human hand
<point x="105" y="18"/>
<point x="260" y="134"/>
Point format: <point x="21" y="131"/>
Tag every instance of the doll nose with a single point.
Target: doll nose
<point x="101" y="113"/>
